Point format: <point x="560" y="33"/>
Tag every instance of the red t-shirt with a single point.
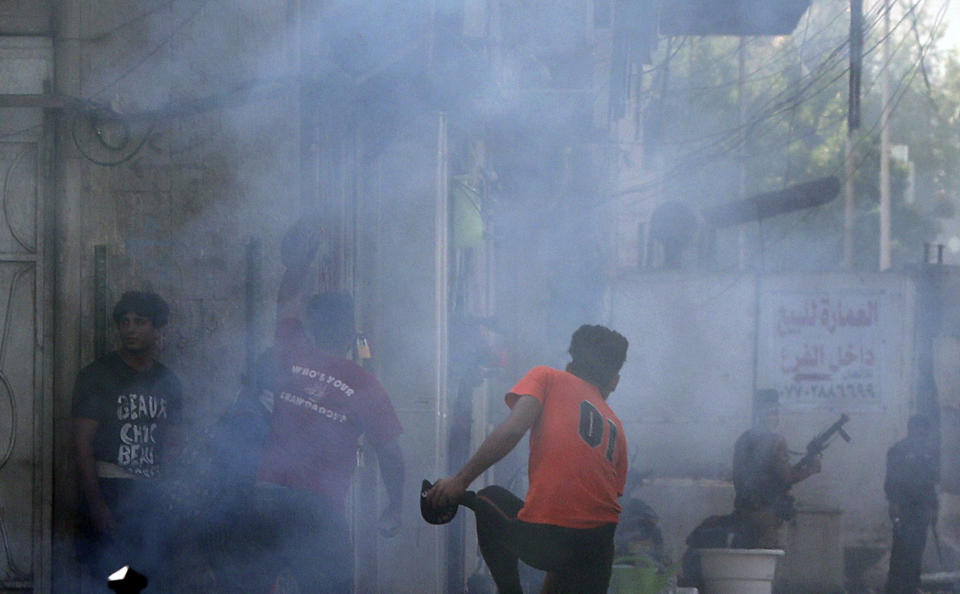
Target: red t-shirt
<point x="578" y="452"/>
<point x="322" y="405"/>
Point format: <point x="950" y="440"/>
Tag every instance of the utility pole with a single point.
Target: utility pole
<point x="885" y="143"/>
<point x="742" y="156"/>
<point x="848" y="204"/>
<point x="853" y="123"/>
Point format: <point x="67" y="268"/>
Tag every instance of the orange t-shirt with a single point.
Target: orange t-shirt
<point x="578" y="452"/>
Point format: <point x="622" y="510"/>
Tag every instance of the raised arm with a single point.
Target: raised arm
<point x="792" y="474"/>
<point x="298" y="250"/>
<point x="498" y="444"/>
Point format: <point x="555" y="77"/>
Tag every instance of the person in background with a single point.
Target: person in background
<point x="126" y="416"/>
<point x="763" y="475"/>
<point x="577" y="468"/>
<point x="323" y="404"/>
<point x="913" y="471"/>
<point x="210" y="490"/>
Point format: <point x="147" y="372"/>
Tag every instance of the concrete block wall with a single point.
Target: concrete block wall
<point x="180" y="199"/>
<point x="177" y="214"/>
<point x="686" y="389"/>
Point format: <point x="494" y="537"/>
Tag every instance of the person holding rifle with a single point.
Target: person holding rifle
<point x="763" y="475"/>
<point x="913" y="471"/>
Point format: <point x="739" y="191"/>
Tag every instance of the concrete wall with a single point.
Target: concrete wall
<point x="177" y="214"/>
<point x="686" y="387"/>
<point x="852" y="477"/>
<point x="699" y="345"/>
<point x="178" y="208"/>
<point x="26" y="17"/>
<point x="26" y="67"/>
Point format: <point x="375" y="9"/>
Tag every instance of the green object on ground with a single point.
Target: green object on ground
<point x="640" y="575"/>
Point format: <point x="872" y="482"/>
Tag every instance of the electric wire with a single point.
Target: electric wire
<point x="789" y="97"/>
<point x="163" y="43"/>
<point x="903" y="86"/>
<point x="722" y="139"/>
<point x="131" y="21"/>
<point x="769" y="65"/>
<point x="921" y="58"/>
<point x="795" y="99"/>
<point x="21" y="131"/>
<point x="793" y="95"/>
<point x="772" y="65"/>
<point x="793" y="112"/>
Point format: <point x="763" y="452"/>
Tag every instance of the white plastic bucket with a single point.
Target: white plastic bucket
<point x="738" y="571"/>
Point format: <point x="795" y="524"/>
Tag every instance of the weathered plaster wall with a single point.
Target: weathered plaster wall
<point x="26" y="66"/>
<point x="26" y="17"/>
<point x="686" y="391"/>
<point x="177" y="215"/>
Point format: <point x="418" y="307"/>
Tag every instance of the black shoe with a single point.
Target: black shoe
<point x="442" y="514"/>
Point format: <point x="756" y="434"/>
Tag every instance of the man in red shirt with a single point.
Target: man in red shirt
<point x="577" y="470"/>
<point x="322" y="404"/>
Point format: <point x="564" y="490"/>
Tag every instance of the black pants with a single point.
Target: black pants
<point x="141" y="535"/>
<point x="581" y="559"/>
<point x="906" y="556"/>
<point x="299" y="533"/>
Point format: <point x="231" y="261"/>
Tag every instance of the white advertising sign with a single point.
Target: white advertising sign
<point x="825" y="348"/>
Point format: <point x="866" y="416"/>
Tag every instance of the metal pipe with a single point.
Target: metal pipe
<point x="441" y="314"/>
<point x="99" y="300"/>
<point x="885" y="143"/>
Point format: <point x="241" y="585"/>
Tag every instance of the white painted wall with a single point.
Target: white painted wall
<point x="686" y="391"/>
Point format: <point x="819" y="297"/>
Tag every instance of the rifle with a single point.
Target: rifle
<point x="822" y="440"/>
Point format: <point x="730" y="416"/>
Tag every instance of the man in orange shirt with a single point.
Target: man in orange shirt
<point x="577" y="470"/>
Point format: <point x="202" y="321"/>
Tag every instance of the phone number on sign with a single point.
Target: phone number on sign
<point x="851" y="390"/>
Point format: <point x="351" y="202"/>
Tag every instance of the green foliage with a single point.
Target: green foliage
<point x="795" y="110"/>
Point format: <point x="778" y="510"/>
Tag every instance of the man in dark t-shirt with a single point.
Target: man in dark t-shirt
<point x="126" y="410"/>
<point x="913" y="471"/>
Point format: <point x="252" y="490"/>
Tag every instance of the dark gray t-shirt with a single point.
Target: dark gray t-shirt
<point x="760" y="463"/>
<point x="135" y="411"/>
<point x="913" y="471"/>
